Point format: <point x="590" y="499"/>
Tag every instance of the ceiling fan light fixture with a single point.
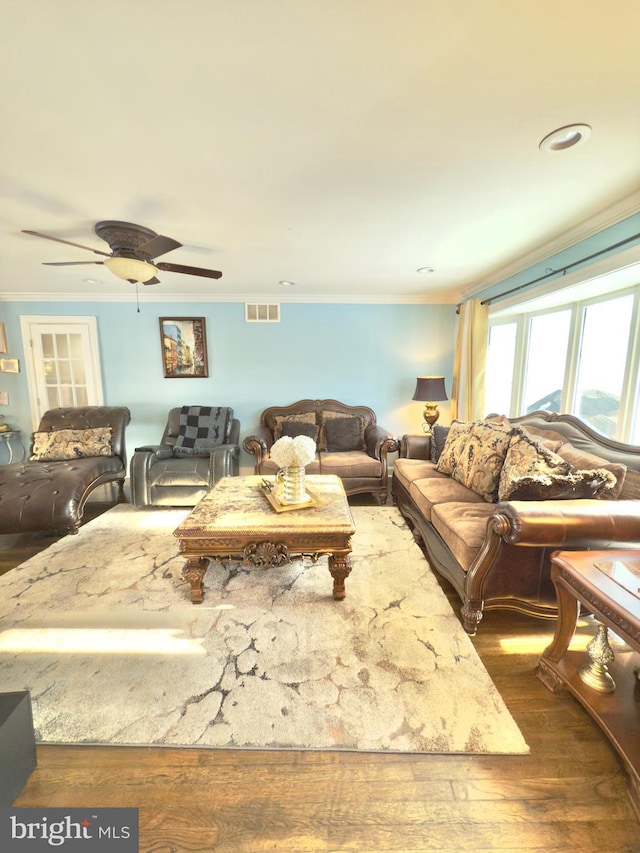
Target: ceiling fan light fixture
<point x="130" y="269"/>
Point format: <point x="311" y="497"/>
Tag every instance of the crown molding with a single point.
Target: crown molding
<point x="423" y="299"/>
<point x="626" y="207"/>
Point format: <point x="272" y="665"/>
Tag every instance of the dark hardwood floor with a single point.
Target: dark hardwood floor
<point x="570" y="794"/>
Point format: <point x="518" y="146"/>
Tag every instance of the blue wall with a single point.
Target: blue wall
<point x="361" y="354"/>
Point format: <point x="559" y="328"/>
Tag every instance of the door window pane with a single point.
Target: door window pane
<point x="602" y="361"/>
<point x="499" y="370"/>
<point x="546" y="361"/>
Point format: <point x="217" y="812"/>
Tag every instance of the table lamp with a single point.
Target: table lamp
<point x="430" y="390"/>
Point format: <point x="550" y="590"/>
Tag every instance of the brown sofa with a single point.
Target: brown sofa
<point x="50" y="493"/>
<point x="358" y="456"/>
<point x="496" y="553"/>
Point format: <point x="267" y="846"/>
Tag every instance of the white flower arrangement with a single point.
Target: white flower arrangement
<point x="298" y="451"/>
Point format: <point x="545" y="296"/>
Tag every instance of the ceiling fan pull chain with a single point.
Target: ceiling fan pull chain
<point x="137" y="297"/>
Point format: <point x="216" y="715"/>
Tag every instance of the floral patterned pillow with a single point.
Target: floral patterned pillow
<point x="480" y="463"/>
<point x="453" y="449"/>
<point x="61" y="444"/>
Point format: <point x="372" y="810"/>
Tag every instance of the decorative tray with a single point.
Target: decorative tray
<point x="270" y="491"/>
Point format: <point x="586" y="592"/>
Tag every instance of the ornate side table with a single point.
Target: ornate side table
<point x="603" y="679"/>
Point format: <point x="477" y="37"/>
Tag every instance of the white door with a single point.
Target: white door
<point x="62" y="363"/>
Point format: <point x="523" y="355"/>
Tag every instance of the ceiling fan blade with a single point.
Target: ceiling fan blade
<point x="153" y="280"/>
<point x="159" y="245"/>
<point x="67" y="242"/>
<point x="188" y="270"/>
<point x="69" y="263"/>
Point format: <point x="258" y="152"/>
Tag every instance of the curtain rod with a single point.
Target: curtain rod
<point x="562" y="270"/>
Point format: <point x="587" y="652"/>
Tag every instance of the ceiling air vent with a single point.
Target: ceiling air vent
<point x="255" y="312"/>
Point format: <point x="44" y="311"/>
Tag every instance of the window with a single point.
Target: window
<point x="601" y="363"/>
<point x="581" y="357"/>
<point x="546" y="360"/>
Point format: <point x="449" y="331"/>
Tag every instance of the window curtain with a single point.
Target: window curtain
<point x="470" y="360"/>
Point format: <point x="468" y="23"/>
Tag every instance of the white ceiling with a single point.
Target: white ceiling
<point x="340" y="144"/>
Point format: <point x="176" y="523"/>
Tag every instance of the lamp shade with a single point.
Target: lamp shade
<point x="430" y="389"/>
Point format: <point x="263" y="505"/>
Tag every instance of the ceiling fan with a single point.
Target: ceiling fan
<point x="133" y="252"/>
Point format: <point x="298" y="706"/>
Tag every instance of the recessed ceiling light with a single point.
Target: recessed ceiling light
<point x="565" y="137"/>
<point x="287" y="283"/>
<point x="425" y="270"/>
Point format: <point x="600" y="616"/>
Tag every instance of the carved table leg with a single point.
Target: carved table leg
<point x="568" y="612"/>
<point x="340" y="568"/>
<point x="193" y="571"/>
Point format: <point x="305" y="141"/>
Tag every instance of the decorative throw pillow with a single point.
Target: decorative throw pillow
<point x="575" y="484"/>
<point x="344" y="434"/>
<point x="63" y="444"/>
<point x="300" y="418"/>
<point x="526" y="459"/>
<point x="330" y="414"/>
<point x="293" y="429"/>
<point x="201" y="428"/>
<point x="454" y="445"/>
<point x="480" y="463"/>
<point x="584" y="460"/>
<point x="438" y="438"/>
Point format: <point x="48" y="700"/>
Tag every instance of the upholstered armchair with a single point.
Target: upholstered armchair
<point x="200" y="444"/>
<point x="73" y="452"/>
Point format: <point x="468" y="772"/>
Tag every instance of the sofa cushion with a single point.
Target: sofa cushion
<point x="432" y="491"/>
<point x="631" y="486"/>
<point x="480" y="462"/>
<point x="350" y="463"/>
<point x="584" y="460"/>
<point x="462" y="526"/>
<point x="438" y="438"/>
<point x="58" y="445"/>
<point x="531" y="472"/>
<point x="292" y="429"/>
<point x="526" y="458"/>
<point x="550" y="486"/>
<point x="300" y="418"/>
<point x="180" y="472"/>
<point x="454" y="445"/>
<point x="201" y="428"/>
<point x="330" y="414"/>
<point x="408" y="470"/>
<point x="344" y="434"/>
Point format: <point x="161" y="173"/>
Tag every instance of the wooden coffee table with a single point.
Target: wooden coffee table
<point x="607" y="583"/>
<point x="235" y="522"/>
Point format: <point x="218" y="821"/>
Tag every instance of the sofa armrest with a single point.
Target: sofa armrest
<point x="379" y="441"/>
<point x="223" y="462"/>
<point x="259" y="445"/>
<point x="415" y="447"/>
<point x="141" y="461"/>
<point x="582" y="523"/>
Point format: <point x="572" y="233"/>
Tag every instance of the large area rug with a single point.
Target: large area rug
<point x="101" y="630"/>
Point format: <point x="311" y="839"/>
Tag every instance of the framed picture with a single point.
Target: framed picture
<point x="9" y="365"/>
<point x="3" y="339"/>
<point x="184" y="347"/>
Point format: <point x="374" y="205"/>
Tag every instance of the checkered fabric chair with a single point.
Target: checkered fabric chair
<point x="200" y="445"/>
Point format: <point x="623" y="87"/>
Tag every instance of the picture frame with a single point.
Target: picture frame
<point x="3" y="339"/>
<point x="184" y="347"/>
<point x="9" y="365"/>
